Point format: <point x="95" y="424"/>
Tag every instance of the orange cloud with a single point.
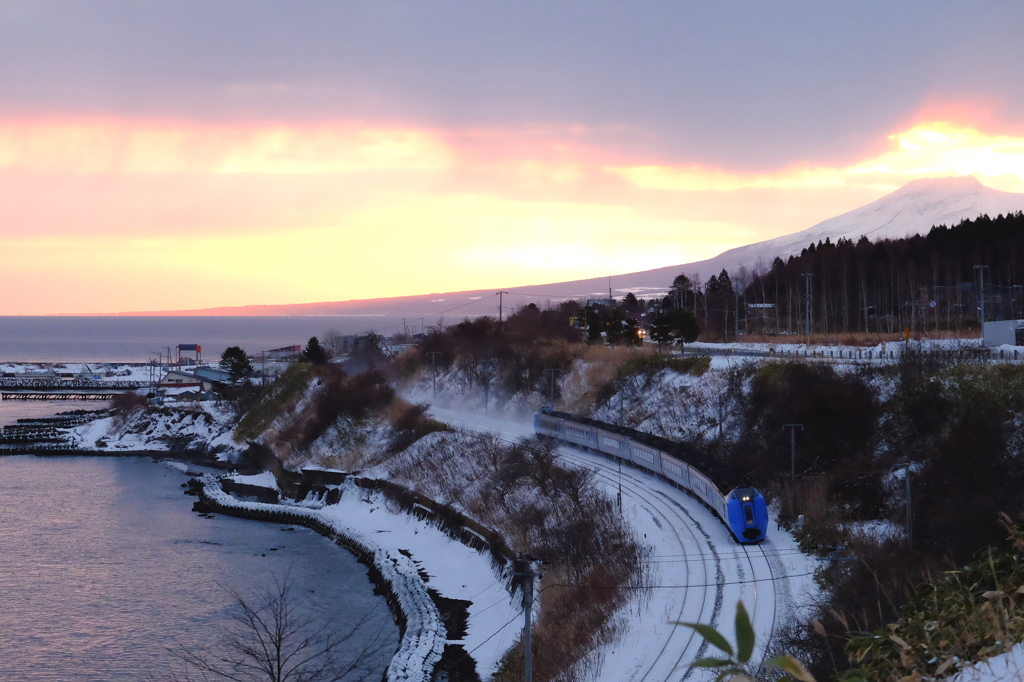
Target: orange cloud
<point x="119" y="146"/>
<point x="184" y="215"/>
<point x="925" y="150"/>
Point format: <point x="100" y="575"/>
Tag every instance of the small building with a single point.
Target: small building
<point x="1003" y="333"/>
<point x="177" y="379"/>
<point x="213" y="374"/>
<point x="284" y="352"/>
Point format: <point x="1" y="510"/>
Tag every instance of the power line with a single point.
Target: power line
<point x="432" y="315"/>
<point x="678" y="587"/>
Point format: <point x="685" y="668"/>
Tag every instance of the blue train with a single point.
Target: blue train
<point x="738" y="504"/>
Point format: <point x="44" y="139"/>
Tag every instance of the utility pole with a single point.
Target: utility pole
<point x="263" y="368"/>
<point x="807" y="278"/>
<point x="553" y="373"/>
<point x="792" y="448"/>
<point x="737" y="317"/>
<point x="619" y="499"/>
<point x="523" y="568"/>
<point x="981" y="274"/>
<point x="500" y="298"/>
<point x="705" y="305"/>
<point x="622" y="407"/>
<point x="910" y="518"/>
<point x="721" y="420"/>
<point x="433" y="361"/>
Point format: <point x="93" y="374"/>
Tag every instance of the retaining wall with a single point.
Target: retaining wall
<point x="423" y="633"/>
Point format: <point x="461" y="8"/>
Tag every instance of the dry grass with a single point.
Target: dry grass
<point x="557" y="514"/>
<point x="594" y="368"/>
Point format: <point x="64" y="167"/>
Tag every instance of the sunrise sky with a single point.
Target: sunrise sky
<point x="172" y="155"/>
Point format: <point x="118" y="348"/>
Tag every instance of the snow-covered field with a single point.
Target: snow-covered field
<point x="699" y="573"/>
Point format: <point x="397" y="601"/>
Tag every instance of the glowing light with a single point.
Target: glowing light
<point x="293" y="213"/>
<point x="155" y="147"/>
<point x="926" y="150"/>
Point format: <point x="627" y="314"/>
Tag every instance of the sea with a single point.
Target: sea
<point x="105" y="568"/>
<point x="140" y="339"/>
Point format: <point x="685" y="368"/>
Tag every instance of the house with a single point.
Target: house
<point x="178" y="379"/>
<point x="285" y="352"/>
<point x="214" y="374"/>
<point x="1003" y="333"/>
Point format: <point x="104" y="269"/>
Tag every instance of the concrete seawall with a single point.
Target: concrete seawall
<point x="423" y="634"/>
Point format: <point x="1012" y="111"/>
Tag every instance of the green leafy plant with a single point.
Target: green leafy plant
<point x="735" y="665"/>
<point x="970" y="614"/>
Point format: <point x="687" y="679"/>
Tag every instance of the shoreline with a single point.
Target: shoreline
<point x="423" y="636"/>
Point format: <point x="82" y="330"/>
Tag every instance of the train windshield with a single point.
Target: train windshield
<point x="748" y="511"/>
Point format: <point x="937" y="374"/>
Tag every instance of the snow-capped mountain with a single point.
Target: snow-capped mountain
<point x="912" y="209"/>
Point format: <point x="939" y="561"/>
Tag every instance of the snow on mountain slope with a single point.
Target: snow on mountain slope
<point x="912" y="209"/>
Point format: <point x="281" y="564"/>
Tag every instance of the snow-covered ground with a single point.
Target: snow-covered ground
<point x="415" y="556"/>
<point x="878" y="352"/>
<point x="453" y="569"/>
<point x="108" y="372"/>
<point x="699" y="571"/>
<point x="205" y="423"/>
<point x="1006" y="667"/>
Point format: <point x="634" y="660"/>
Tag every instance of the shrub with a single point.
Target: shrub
<point x="968" y="615"/>
<point x="274" y="400"/>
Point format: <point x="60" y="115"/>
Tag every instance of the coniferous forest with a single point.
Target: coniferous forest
<point x="937" y="281"/>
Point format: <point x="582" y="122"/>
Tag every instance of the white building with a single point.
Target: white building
<point x="1003" y="333"/>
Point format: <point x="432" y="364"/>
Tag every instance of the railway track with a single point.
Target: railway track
<point x="666" y="665"/>
<point x="755" y="574"/>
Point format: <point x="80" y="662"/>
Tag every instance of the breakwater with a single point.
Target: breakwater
<point x="423" y="634"/>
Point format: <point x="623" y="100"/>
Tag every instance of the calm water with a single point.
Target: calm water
<point x="103" y="565"/>
<point x="137" y="339"/>
<point x="13" y="410"/>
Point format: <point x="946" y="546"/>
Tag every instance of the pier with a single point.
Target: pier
<point x="40" y="388"/>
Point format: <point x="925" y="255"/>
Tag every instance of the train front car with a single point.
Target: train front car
<point x="748" y="514"/>
<point x="546" y="424"/>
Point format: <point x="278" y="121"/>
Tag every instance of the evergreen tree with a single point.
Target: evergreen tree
<point x="235" y="361"/>
<point x="679" y="327"/>
<point x="315" y="353"/>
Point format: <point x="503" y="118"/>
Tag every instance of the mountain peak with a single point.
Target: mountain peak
<point x="948" y="184"/>
<point x="912" y="209"/>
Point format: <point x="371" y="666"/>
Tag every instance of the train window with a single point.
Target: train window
<point x="578" y="433"/>
<point x="748" y="511"/>
<point x="643" y="454"/>
<point x="549" y="424"/>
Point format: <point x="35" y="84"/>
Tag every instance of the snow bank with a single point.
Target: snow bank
<point x="1002" y="668"/>
<point x="263" y="480"/>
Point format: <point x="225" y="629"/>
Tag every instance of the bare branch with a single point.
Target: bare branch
<point x="276" y="637"/>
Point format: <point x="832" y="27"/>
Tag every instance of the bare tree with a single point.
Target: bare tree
<point x="277" y="638"/>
